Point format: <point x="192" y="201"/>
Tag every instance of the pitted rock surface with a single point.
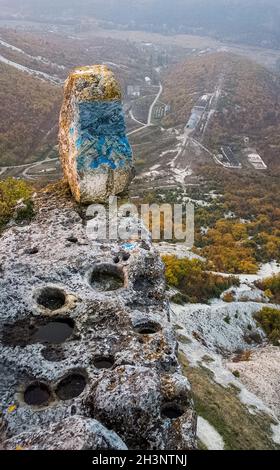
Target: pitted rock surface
<point x="76" y="433"/>
<point x="117" y="364"/>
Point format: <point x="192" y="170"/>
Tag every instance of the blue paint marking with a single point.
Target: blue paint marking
<point x="79" y="142"/>
<point x="102" y="118"/>
<point x="129" y="246"/>
<point x="102" y="140"/>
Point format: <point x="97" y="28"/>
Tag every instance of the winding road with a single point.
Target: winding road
<point x="150" y="115"/>
<point x="29" y="166"/>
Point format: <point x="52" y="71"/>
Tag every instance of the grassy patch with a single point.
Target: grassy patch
<point x="12" y="191"/>
<point x="183" y="339"/>
<point x="222" y="408"/>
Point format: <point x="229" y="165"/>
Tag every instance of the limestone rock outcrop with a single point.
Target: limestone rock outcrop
<point x="85" y="340"/>
<point x="95" y="152"/>
<point x="75" y="433"/>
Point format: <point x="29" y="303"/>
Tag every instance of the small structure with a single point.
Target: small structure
<point x="148" y="81"/>
<point x="230" y="159"/>
<point x="256" y="161"/>
<point x="196" y="115"/>
<point x="133" y="91"/>
<point x="94" y="150"/>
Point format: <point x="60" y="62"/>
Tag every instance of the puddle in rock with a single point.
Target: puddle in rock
<point x="103" y="362"/>
<point x="51" y="298"/>
<point x="37" y="394"/>
<point x="106" y="278"/>
<point x="172" y="411"/>
<point x="54" y="332"/>
<point x="71" y="386"/>
<point x="37" y="330"/>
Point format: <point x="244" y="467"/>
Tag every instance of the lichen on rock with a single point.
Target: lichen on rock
<point x="95" y="152"/>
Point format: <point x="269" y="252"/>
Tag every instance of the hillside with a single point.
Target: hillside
<point x="33" y="68"/>
<point x="28" y="124"/>
<point x="244" y="102"/>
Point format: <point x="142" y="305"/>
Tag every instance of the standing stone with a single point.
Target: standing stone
<point x="94" y="150"/>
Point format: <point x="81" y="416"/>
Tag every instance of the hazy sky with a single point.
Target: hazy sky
<point x="210" y="16"/>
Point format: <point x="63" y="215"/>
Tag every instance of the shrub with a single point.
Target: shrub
<point x="243" y="356"/>
<point x="228" y="297"/>
<point x="193" y="281"/>
<point x="236" y="373"/>
<point x="271" y="287"/>
<point x="179" y="299"/>
<point x="11" y="191"/>
<point x="269" y="320"/>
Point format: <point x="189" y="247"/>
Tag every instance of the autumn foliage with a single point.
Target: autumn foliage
<point x="271" y="286"/>
<point x="269" y="319"/>
<point x="12" y="191"/>
<point x="193" y="281"/>
<point x="250" y="235"/>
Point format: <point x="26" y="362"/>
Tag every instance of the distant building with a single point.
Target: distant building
<point x="148" y="81"/>
<point x="196" y="115"/>
<point x="133" y="91"/>
<point x="160" y="110"/>
<point x="256" y="161"/>
<point x="229" y="158"/>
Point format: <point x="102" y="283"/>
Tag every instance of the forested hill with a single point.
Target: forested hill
<point x="248" y="104"/>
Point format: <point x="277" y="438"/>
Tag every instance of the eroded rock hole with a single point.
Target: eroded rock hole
<point x="71" y="386"/>
<point x="172" y="411"/>
<point x="37" y="330"/>
<point x="147" y="328"/>
<point x="51" y="298"/>
<point x="72" y="239"/>
<point x="106" y="278"/>
<point x="103" y="362"/>
<point x="54" y="332"/>
<point x="53" y="354"/>
<point x="37" y="394"/>
<point x="143" y="283"/>
<point x="32" y="251"/>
